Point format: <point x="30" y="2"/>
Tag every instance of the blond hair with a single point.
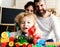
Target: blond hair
<point x="22" y="15"/>
<point x="52" y="10"/>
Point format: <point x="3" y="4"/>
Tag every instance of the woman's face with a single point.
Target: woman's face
<point x="29" y="9"/>
<point x="26" y="23"/>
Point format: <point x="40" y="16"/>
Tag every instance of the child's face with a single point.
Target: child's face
<point x="26" y="23"/>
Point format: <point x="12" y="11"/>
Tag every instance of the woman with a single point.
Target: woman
<point x="29" y="7"/>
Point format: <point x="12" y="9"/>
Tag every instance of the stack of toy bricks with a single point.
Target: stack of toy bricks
<point x="7" y="41"/>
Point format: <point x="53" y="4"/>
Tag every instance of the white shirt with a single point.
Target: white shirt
<point x="46" y="25"/>
<point x="57" y="27"/>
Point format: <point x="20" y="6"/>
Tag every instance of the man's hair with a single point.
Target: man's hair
<point x="39" y="1"/>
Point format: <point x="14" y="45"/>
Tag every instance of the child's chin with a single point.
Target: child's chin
<point x="26" y="30"/>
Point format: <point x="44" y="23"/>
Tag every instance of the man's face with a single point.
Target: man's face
<point x="40" y="7"/>
<point x="26" y="23"/>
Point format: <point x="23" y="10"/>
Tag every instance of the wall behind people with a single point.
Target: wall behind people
<point x="20" y="3"/>
<point x="7" y="3"/>
<point x="51" y="3"/>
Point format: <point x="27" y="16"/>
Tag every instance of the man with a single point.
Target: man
<point x="45" y="20"/>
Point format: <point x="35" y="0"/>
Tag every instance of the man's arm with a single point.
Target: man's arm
<point x="55" y="27"/>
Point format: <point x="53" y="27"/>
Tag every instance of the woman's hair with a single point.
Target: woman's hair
<point x="37" y="0"/>
<point x="22" y="15"/>
<point x="52" y="10"/>
<point x="30" y="3"/>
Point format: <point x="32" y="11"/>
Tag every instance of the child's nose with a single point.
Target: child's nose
<point x="25" y="24"/>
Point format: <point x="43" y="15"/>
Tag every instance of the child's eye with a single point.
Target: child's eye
<point x="28" y="22"/>
<point x="41" y="5"/>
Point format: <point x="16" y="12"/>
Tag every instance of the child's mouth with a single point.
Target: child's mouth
<point x="25" y="28"/>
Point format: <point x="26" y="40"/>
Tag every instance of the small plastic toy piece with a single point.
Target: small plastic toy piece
<point x="17" y="45"/>
<point x="11" y="43"/>
<point x="4" y="35"/>
<point x="11" y="39"/>
<point x="35" y="46"/>
<point x="4" y="44"/>
<point x="4" y="39"/>
<point x="51" y="46"/>
<point x="22" y="40"/>
<point x="24" y="45"/>
<point x="29" y="45"/>
<point x="41" y="42"/>
<point x="8" y="33"/>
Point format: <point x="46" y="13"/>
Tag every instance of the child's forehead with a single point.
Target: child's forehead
<point x="28" y="18"/>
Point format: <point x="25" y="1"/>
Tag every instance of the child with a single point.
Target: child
<point x="27" y="22"/>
